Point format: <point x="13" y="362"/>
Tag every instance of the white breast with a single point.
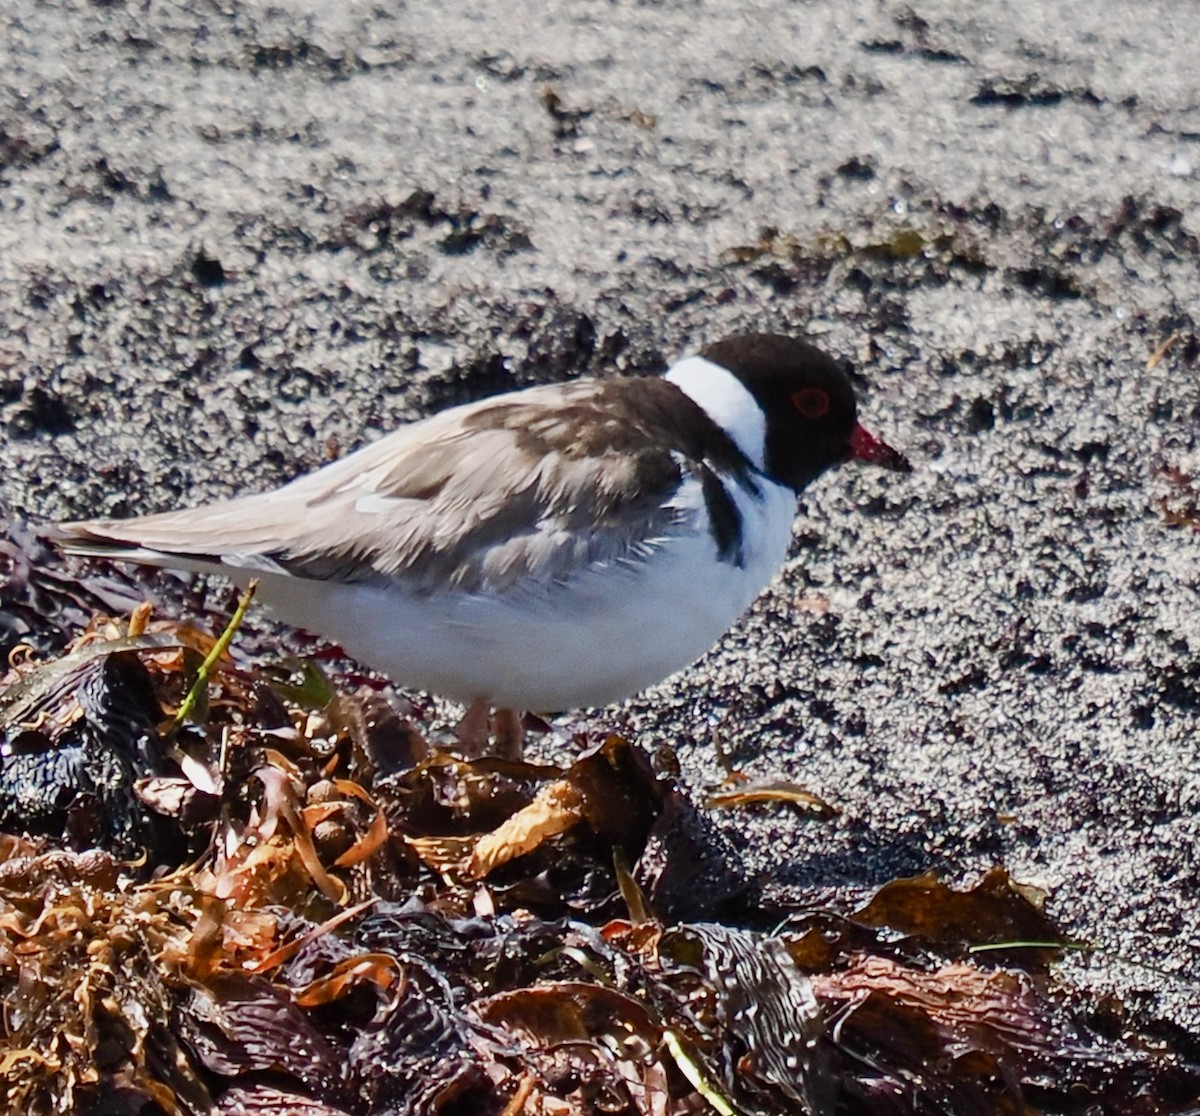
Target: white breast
<point x="602" y="635"/>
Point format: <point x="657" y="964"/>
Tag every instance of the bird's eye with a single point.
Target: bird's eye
<point x="812" y="403"/>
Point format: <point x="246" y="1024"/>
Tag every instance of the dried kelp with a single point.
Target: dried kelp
<point x="296" y="905"/>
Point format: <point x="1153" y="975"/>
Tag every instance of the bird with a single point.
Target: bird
<point x="557" y="547"/>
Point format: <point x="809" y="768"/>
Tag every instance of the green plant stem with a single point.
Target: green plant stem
<point x="219" y="648"/>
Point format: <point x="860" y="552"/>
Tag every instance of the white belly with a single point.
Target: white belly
<point x="603" y="635"/>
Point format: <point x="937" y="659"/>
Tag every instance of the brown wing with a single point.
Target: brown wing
<point x="538" y="483"/>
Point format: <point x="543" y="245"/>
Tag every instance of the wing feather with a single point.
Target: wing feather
<point x="533" y="485"/>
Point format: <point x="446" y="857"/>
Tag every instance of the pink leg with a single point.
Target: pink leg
<point x="509" y="734"/>
<point x="472" y="729"/>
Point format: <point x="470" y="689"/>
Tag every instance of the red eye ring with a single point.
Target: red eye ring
<point x="812" y="403"/>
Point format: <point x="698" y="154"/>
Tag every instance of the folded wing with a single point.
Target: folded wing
<point x="533" y="485"/>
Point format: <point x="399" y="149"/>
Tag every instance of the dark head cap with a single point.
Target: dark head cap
<point x="809" y="405"/>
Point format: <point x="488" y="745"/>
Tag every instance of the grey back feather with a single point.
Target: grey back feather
<point x="533" y="485"/>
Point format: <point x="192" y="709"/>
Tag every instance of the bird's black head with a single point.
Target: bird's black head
<point x="809" y="406"/>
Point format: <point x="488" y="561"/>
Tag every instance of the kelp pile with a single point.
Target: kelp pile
<point x="290" y="903"/>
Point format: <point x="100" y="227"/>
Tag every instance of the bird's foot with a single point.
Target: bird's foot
<point x="480" y="733"/>
<point x="508" y="734"/>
